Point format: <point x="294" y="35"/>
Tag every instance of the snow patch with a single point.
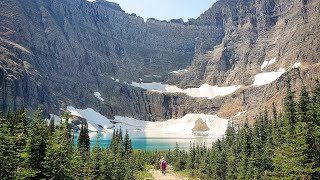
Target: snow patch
<point x="156" y="76"/>
<point x="116" y="80"/>
<point x="205" y="90"/>
<point x="240" y="113"/>
<point x="272" y="61"/>
<point x="98" y="95"/>
<point x="268" y="63"/>
<point x="179" y="71"/>
<point x="56" y="119"/>
<point x="95" y="120"/>
<point x="296" y="65"/>
<point x="267" y="77"/>
<point x="264" y="64"/>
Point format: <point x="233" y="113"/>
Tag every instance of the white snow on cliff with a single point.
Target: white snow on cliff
<point x="267" y="77"/>
<point x="268" y="63"/>
<point x="95" y="120"/>
<point x="172" y="128"/>
<point x="296" y="65"/>
<point x="98" y="95"/>
<point x="179" y="71"/>
<point x="205" y="90"/>
<point x="240" y="113"/>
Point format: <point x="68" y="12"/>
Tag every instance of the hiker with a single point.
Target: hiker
<point x="160" y="163"/>
<point x="164" y="166"/>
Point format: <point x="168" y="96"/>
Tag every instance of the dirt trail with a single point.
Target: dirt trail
<point x="169" y="175"/>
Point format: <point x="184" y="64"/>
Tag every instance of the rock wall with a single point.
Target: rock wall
<point x="59" y="52"/>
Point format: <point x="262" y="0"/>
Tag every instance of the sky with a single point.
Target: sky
<point x="166" y="9"/>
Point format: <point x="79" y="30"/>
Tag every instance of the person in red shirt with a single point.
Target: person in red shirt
<point x="163" y="166"/>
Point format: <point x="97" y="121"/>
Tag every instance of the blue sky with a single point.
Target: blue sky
<point x="165" y="9"/>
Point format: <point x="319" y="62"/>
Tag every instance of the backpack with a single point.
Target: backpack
<point x="164" y="164"/>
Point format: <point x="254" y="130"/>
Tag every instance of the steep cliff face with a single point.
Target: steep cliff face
<point x="59" y="52"/>
<point x="75" y="47"/>
<point x="256" y="31"/>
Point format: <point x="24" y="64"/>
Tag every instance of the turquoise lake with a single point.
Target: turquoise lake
<point x="154" y="143"/>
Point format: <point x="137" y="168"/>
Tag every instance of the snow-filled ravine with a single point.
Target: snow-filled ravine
<point x="183" y="130"/>
<point x="204" y="91"/>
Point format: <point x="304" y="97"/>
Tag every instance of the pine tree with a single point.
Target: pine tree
<point x="58" y="154"/>
<point x="51" y="127"/>
<point x="289" y="158"/>
<point x="36" y="143"/>
<point x="245" y="135"/>
<point x="24" y="171"/>
<point x="290" y="106"/>
<point x="94" y="164"/>
<point x="303" y="104"/>
<point x="127" y="145"/>
<point x="6" y="150"/>
<point x="84" y="140"/>
<point x="76" y="166"/>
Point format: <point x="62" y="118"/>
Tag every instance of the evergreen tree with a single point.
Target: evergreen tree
<point x="84" y="140"/>
<point x="6" y="150"/>
<point x="36" y="143"/>
<point x="127" y="145"/>
<point x="245" y="135"/>
<point x="303" y="104"/>
<point x="58" y="154"/>
<point x="290" y="106"/>
<point x="289" y="158"/>
<point x="51" y="127"/>
<point x="76" y="166"/>
<point x="94" y="163"/>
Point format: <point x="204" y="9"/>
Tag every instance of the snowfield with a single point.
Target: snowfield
<point x="172" y="128"/>
<point x="267" y="77"/>
<point x="98" y="95"/>
<point x="204" y="91"/>
<point x="96" y="121"/>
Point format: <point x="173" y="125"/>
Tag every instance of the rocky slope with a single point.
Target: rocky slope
<point x="58" y="53"/>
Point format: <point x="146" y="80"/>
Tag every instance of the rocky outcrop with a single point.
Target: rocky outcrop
<point x="58" y="53"/>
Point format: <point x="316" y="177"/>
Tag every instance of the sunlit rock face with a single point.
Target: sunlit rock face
<point x="60" y="53"/>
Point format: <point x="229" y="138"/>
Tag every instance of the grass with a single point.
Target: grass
<point x="141" y="175"/>
<point x="185" y="173"/>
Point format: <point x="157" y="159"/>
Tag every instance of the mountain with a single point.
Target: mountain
<point x="69" y="52"/>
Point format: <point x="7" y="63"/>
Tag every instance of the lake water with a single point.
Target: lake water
<point x="154" y="143"/>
